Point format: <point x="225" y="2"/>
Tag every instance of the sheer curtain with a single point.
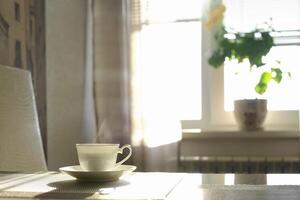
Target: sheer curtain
<point x="154" y="84"/>
<point x="127" y="110"/>
<point x="165" y="40"/>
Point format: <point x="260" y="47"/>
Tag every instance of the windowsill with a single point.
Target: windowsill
<point x="235" y="133"/>
<point x="235" y="143"/>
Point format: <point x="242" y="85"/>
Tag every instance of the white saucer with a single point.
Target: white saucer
<point x="97" y="176"/>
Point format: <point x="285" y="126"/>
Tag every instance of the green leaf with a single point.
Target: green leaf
<point x="278" y="74"/>
<point x="266" y="77"/>
<point x="217" y="59"/>
<point x="261" y="88"/>
<point x="262" y="85"/>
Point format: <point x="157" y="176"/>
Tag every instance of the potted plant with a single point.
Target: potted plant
<point x="252" y="46"/>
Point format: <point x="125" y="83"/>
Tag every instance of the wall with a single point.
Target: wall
<point x="65" y="54"/>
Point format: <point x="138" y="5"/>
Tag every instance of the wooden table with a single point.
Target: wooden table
<point x="54" y="185"/>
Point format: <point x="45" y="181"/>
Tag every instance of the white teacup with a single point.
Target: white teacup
<point x="100" y="157"/>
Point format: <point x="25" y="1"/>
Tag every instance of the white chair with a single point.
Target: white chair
<point x="20" y="140"/>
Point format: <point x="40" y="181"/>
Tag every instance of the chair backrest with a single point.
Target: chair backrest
<point x="20" y="139"/>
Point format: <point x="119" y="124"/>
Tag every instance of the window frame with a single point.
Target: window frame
<point x="214" y="116"/>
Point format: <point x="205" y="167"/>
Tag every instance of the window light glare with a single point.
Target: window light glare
<point x="171" y="68"/>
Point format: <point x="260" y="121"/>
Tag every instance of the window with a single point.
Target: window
<point x="170" y="55"/>
<point x="17" y="11"/>
<point x="18" y="54"/>
<point x="174" y="48"/>
<point x="246" y="15"/>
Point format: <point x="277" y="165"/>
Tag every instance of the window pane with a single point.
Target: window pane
<point x="245" y="15"/>
<point x="156" y="11"/>
<point x="240" y="82"/>
<point x="171" y="63"/>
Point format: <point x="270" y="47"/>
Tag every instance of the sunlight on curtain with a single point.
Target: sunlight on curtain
<point x="167" y="68"/>
<point x="165" y="60"/>
<point x="171" y="82"/>
<point x="171" y="62"/>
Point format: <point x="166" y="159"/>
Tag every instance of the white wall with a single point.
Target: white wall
<point x="65" y="52"/>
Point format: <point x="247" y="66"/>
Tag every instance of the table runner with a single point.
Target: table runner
<point x="56" y="185"/>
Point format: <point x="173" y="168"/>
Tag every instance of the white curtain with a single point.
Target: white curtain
<point x="156" y="127"/>
<point x="155" y="121"/>
<point x="122" y="115"/>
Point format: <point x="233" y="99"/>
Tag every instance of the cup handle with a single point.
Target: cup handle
<point x="121" y="151"/>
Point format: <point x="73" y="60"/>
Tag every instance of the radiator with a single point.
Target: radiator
<point x="239" y="164"/>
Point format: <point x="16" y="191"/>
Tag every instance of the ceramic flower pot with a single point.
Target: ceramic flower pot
<point x="250" y="114"/>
